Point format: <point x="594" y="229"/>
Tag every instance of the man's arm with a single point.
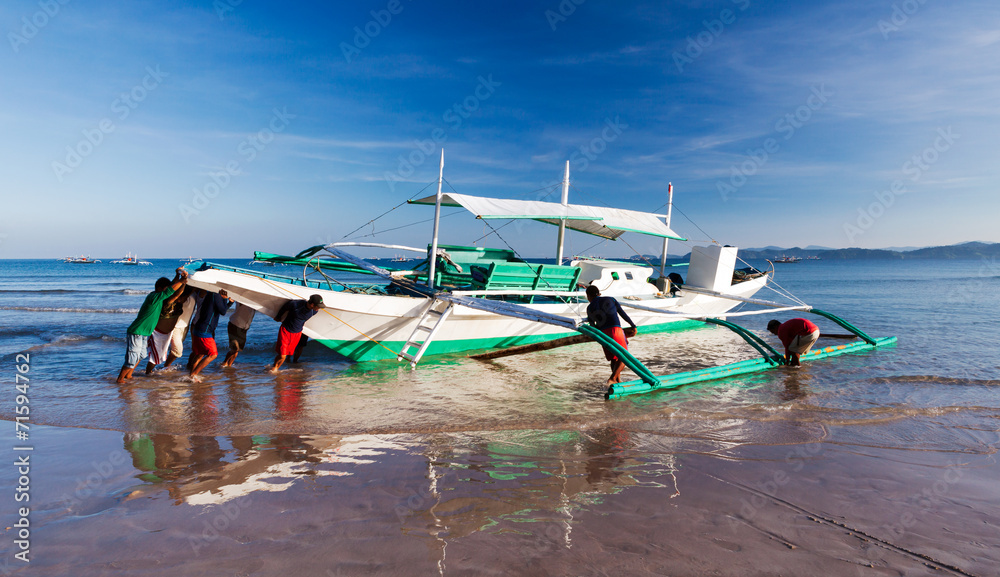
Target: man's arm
<point x="284" y="311"/>
<point x="180" y="279"/>
<point x="622" y="314"/>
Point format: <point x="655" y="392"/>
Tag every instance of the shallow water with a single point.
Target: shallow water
<point x="518" y="465"/>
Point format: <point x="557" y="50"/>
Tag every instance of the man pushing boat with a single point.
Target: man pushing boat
<point x="142" y="327"/>
<point x="603" y="313"/>
<point x="797" y="335"/>
<point x="293" y="316"/>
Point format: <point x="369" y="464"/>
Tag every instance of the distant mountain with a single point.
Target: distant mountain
<point x="967" y="250"/>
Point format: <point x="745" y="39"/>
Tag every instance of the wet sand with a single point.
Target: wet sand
<point x="635" y="500"/>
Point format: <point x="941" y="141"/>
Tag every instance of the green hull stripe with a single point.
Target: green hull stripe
<point x="369" y="351"/>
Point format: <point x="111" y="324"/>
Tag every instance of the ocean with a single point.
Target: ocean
<point x="875" y="463"/>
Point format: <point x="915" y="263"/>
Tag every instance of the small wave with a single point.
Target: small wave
<point x="66" y="340"/>
<point x="127" y="291"/>
<point x="69" y="310"/>
<point x="934" y="379"/>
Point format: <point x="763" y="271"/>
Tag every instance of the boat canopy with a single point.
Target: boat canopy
<point x="599" y="221"/>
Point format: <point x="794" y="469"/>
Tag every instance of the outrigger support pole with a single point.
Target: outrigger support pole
<point x="626" y="357"/>
<point x="774" y="358"/>
<point x="620" y="390"/>
<point x="861" y="334"/>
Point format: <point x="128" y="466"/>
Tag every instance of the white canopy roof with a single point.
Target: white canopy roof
<point x="600" y="221"/>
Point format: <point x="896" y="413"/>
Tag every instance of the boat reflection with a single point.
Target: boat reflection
<point x="437" y="487"/>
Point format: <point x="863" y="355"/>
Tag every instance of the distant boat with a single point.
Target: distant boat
<point x="787" y="259"/>
<point x="80" y="260"/>
<point x="131" y="259"/>
<point x="813" y="258"/>
<point x="189" y="260"/>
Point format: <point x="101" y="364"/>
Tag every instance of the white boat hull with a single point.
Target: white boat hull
<point x="371" y="327"/>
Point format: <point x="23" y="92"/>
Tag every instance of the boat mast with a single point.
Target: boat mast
<point x="562" y="222"/>
<point x="437" y="220"/>
<point x="670" y="206"/>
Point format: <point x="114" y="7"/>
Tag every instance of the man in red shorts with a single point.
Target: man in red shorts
<point x="293" y="316"/>
<point x="797" y="335"/>
<point x="603" y="313"/>
<point x="203" y="348"/>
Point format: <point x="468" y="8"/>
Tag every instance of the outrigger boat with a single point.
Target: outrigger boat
<point x="131" y="259"/>
<point x="80" y="260"/>
<point x="463" y="298"/>
<point x="786" y="259"/>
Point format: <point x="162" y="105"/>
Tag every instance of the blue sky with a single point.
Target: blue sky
<point x="821" y="123"/>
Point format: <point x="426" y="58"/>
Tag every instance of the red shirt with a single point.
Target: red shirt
<point x="794" y="328"/>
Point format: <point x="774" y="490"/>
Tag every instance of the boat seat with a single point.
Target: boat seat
<point x="524" y="276"/>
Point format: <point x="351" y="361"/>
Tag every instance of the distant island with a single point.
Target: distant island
<point x="965" y="250"/>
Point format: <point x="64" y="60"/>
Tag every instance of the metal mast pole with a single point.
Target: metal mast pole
<point x="670" y="206"/>
<point x="437" y="221"/>
<point x="562" y="222"/>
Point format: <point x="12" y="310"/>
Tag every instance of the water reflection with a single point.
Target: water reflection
<point x="439" y="487"/>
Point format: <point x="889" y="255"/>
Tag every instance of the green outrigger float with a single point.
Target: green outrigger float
<point x="770" y="358"/>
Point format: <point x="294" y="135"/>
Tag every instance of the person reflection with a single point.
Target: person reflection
<point x="605" y="453"/>
<point x="288" y="399"/>
<point x="203" y="411"/>
<point x="795" y="387"/>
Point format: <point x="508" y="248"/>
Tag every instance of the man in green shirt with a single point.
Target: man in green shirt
<point x="143" y="325"/>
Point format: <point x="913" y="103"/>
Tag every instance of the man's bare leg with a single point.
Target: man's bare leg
<point x="149" y="367"/>
<point x="230" y="357"/>
<point x="278" y="361"/>
<point x="170" y="360"/>
<point x="124" y="375"/>
<point x="202" y="363"/>
<point x="616" y="371"/>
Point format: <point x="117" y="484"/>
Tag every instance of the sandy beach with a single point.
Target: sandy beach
<point x="630" y="500"/>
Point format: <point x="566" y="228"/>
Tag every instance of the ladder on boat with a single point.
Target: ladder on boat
<point x="424" y="332"/>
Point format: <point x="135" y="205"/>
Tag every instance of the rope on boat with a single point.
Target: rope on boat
<point x="372" y="221"/>
<point x="281" y="288"/>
